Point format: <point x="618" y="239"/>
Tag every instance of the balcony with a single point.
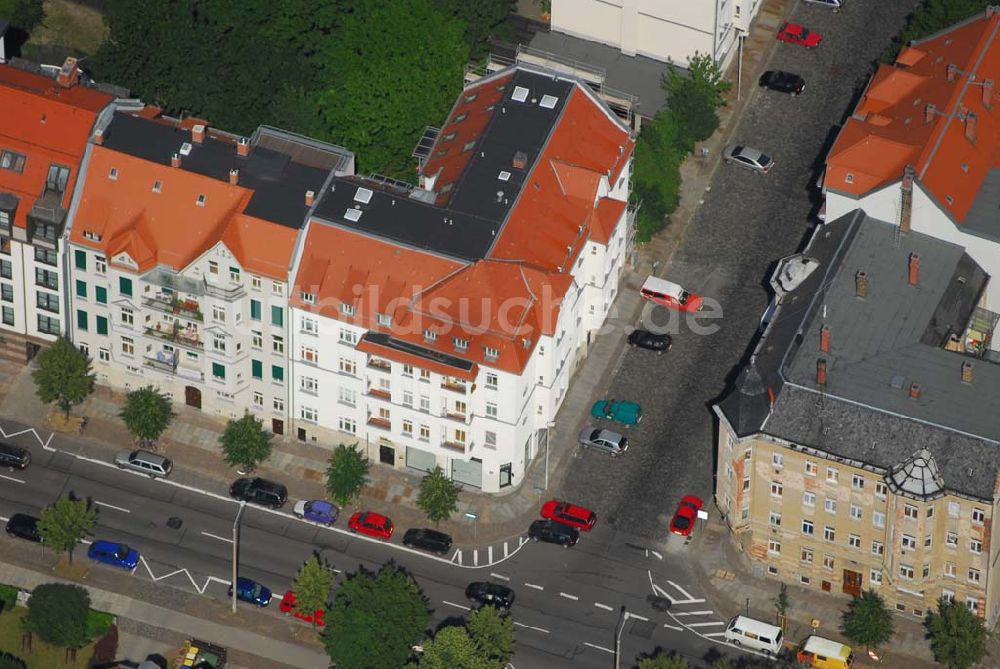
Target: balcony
<point x="168" y="304"/>
<point x="379" y="364"/>
<point x="163" y="361"/>
<point x="454" y="385"/>
<point x="456" y="446"/>
<point x="187" y="337"/>
<point x="381" y="423"/>
<point x="380" y="393"/>
<point x="229" y="293"/>
<point x="451" y="414"/>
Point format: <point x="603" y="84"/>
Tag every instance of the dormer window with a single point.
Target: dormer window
<point x="12" y="161"/>
<point x="201" y="200"/>
<point x="157" y="186"/>
<point x="92" y="236"/>
<point x="346" y="309"/>
<point x="430" y="335"/>
<point x="385" y="320"/>
<point x="450" y="136"/>
<point x="113" y="174"/>
<point x="849" y="178"/>
<point x="308" y="298"/>
<point x="469" y="146"/>
<point x="471" y="98"/>
<point x="461" y="344"/>
<point x="491" y="353"/>
<point x="461" y="117"/>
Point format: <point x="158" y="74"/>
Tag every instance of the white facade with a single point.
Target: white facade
<point x="666" y="30"/>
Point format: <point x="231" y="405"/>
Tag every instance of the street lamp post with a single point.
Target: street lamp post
<point x="236" y="545"/>
<point x="625" y="615"/>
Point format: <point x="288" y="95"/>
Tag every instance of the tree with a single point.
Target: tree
<point x="957" y="635"/>
<point x="375" y="620"/>
<point x="663" y="660"/>
<point x="695" y="97"/>
<point x="781" y="604"/>
<point x="867" y="621"/>
<point x="931" y="16"/>
<point x="23" y="14"/>
<point x="438" y="497"/>
<point x="391" y="81"/>
<point x="57" y="613"/>
<point x="63" y="376"/>
<point x="312" y="586"/>
<point x="482" y="19"/>
<point x="493" y="634"/>
<point x="146" y="414"/>
<point x="245" y="443"/>
<point x="452" y="648"/>
<point x="346" y="473"/>
<point x="65" y="523"/>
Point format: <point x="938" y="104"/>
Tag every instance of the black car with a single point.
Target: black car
<point x="259" y="491"/>
<point x="783" y="82"/>
<point x="428" y="540"/>
<point x="24" y="526"/>
<point x="14" y="457"/>
<point x="554" y="533"/>
<point x="493" y="594"/>
<point x="650" y="340"/>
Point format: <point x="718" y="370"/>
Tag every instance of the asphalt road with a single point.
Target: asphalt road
<point x="746" y="223"/>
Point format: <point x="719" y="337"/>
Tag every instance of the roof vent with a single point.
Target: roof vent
<point x="966" y="372"/>
<point x="185" y="149"/>
<point x="353" y="215"/>
<point x="520" y="94"/>
<point x="234" y="176"/>
<point x="175" y="160"/>
<point x="914" y="391"/>
<point x="310" y="198"/>
<point x="198" y="133"/>
<point x="243" y="147"/>
<point x="548" y="102"/>
<point x="364" y="195"/>
<point x="499" y="196"/>
<point x="505" y="175"/>
<point x="861" y="285"/>
<point x="520" y="160"/>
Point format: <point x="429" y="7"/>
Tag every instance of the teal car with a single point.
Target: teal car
<point x="626" y="413"/>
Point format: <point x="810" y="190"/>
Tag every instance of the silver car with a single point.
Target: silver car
<point x="748" y="157"/>
<point x="603" y="440"/>
<point x="151" y="464"/>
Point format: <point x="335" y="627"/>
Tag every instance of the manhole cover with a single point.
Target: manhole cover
<point x="643" y="628"/>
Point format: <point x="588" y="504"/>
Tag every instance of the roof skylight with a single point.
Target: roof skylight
<point x="353" y="215"/>
<point x="364" y="195"/>
<point x="520" y="94"/>
<point x="548" y="102"/>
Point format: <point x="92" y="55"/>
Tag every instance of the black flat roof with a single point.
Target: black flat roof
<point x="383" y="339"/>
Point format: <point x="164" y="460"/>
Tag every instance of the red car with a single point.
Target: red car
<point x="669" y="294"/>
<point x="796" y="33"/>
<point x="684" y="518"/>
<point x="373" y="524"/>
<point x="569" y="514"/>
<point x="287" y="606"/>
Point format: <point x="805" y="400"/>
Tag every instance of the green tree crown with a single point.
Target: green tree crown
<point x="63" y="376"/>
<point x="957" y="635"/>
<point x="65" y="523"/>
<point x="57" y="613"/>
<point x="346" y="473"/>
<point x="493" y="634"/>
<point x="867" y="621"/>
<point x="663" y="660"/>
<point x="452" y="647"/>
<point x="438" y="496"/>
<point x="312" y="586"/>
<point x="146" y="413"/>
<point x="245" y="443"/>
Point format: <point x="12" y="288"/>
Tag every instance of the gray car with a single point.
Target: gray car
<point x="145" y="462"/>
<point x="603" y="440"/>
<point x="748" y="158"/>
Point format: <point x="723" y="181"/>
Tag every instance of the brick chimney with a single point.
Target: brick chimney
<point x="198" y="133"/>
<point x="824" y="339"/>
<point x="914" y="391"/>
<point x="821" y="372"/>
<point x="234" y="176"/>
<point x="861" y="285"/>
<point x="69" y="74"/>
<point x="952" y="72"/>
<point x="966" y="372"/>
<point x="988" y="94"/>
<point x="929" y="112"/>
<point x="98" y="137"/>
<point x="520" y="160"/>
<point x="970" y="126"/>
<point x="914" y="278"/>
<point x="175" y="160"/>
<point x="310" y="198"/>
<point x="243" y="147"/>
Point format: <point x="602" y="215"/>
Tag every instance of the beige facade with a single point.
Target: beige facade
<point x="821" y="522"/>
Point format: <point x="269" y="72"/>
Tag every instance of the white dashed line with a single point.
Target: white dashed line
<point x="532" y="627"/>
<point x="112" y="506"/>
<point x="710" y="634"/>
<point x="673" y="627"/>
<point x="215" y="536"/>
<point x="591" y="645"/>
<point x="695" y="613"/>
<point x="716" y="622"/>
<point x="687" y="595"/>
<point x="11" y="478"/>
<point x="532" y="585"/>
<point x="603" y="606"/>
<point x="655" y="554"/>
<point x="635" y="617"/>
<point x="500" y="576"/>
<point x="569" y="596"/>
<point x="457" y="606"/>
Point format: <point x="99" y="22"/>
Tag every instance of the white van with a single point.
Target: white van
<point x="751" y="633"/>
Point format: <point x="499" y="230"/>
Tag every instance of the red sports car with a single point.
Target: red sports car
<point x="796" y="33"/>
<point x="684" y="518"/>
<point x="373" y="524"/>
<point x="569" y="514"/>
<point x="287" y="606"/>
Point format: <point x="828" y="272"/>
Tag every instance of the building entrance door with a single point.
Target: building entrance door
<point x="852" y="582"/>
<point x="192" y="397"/>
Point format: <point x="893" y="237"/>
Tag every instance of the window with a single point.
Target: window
<point x="277" y="373"/>
<point x="929" y="513"/>
<point x="347" y="396"/>
<point x="491" y="410"/>
<point x="12" y="161"/>
<point x="6" y="269"/>
<point x="128" y="316"/>
<point x="809" y="498"/>
<point x="774" y="520"/>
<point x="910" y="511"/>
<point x="257" y="369"/>
<point x="277" y="316"/>
<point x="256" y="339"/>
<point x="218" y="371"/>
<point x="81" y="319"/>
<point x="310" y="325"/>
<point x="856" y="513"/>
<point x="857" y="482"/>
<point x="830" y="505"/>
<point x="347" y="366"/>
<point x="925" y="571"/>
<point x="277" y="288"/>
<point x="829" y="533"/>
<point x="430" y="335"/>
<point x="128" y="346"/>
<point x="854" y="541"/>
<point x="461" y="344"/>
<point x="310" y="355"/>
<point x="255" y="310"/>
<point x="255" y="282"/>
<point x="875" y="576"/>
<point x="491" y="439"/>
<point x="100" y="265"/>
<point x="308" y="414"/>
<point x="746" y="483"/>
<point x="978" y="516"/>
<point x="881" y="489"/>
<point x="949" y="569"/>
<point x="408" y="371"/>
<point x="7" y="292"/>
<point x="878" y="548"/>
<point x="385" y="320"/>
<point x="80" y="259"/>
<point x="832" y="475"/>
<point x="219" y="343"/>
<point x="348" y="336"/>
<point x="102" y="325"/>
<point x="909" y="542"/>
<point x="47" y="257"/>
<point x="951" y="540"/>
<point x="778" y="460"/>
<point x="491" y="353"/>
<point x="347" y="425"/>
<point x="43" y="277"/>
<point x="234" y="274"/>
<point x="971" y="603"/>
<point x="425" y="375"/>
<point x="101" y="294"/>
<point x="125" y="286"/>
<point x="773" y="547"/>
<point x="218" y="314"/>
<point x="973" y="576"/>
<point x="807" y="527"/>
<point x="906" y="572"/>
<point x="48" y="325"/>
<point x="828" y="562"/>
<point x="47" y="302"/>
<point x="81" y="289"/>
<point x="806" y="556"/>
<point x="953" y="509"/>
<point x="277" y="344"/>
<point x="948" y="595"/>
<point x="346" y="309"/>
<point x="975" y="546"/>
<point x="8" y="316"/>
<point x="104" y="355"/>
<point x="878" y="519"/>
<point x="425" y="432"/>
<point x="777" y="489"/>
<point x="491" y="381"/>
<point x="278" y="404"/>
<point x="928" y="540"/>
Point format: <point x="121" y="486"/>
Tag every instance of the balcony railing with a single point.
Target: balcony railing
<point x="381" y="423"/>
<point x="187" y="337"/>
<point x="456" y="446"/>
<point x="379" y="364"/>
<point x="454" y="386"/>
<point x="455" y="415"/>
<point x="163" y="361"/>
<point x="229" y="293"/>
<point x="188" y="309"/>
<point x="381" y="393"/>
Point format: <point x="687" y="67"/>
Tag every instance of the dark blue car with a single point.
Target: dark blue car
<point x="114" y="554"/>
<point x="317" y="510"/>
<point x="248" y="590"/>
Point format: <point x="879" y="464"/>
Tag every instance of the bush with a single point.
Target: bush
<point x="98" y="623"/>
<point x="8" y="597"/>
<point x="932" y="16"/>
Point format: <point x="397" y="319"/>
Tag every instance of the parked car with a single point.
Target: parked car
<point x="145" y="462"/>
<point x="493" y="594"/>
<point x="427" y="540"/>
<point x="670" y="294"/>
<point x="748" y="158"/>
<point x="651" y="341"/>
<point x="783" y="82"/>
<point x="287" y="606"/>
<point x="686" y="515"/>
<point x="23" y="526"/>
<point x="603" y="440"/>
<point x="371" y="524"/>
<point x="796" y="33"/>
<point x="835" y="5"/>
<point x="114" y="554"/>
<point x="259" y="491"/>
<point x="552" y="532"/>
<point x="14" y="457"/>
<point x="252" y="592"/>
<point x="317" y="510"/>
<point x="620" y="411"/>
<point x="579" y="517"/>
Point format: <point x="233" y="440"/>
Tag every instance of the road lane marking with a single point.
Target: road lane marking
<point x="112" y="506"/>
<point x="658" y="556"/>
<point x="569" y="596"/>
<point x="696" y="613"/>
<point x="687" y="595"/>
<point x="457" y="606"/>
<point x="681" y="629"/>
<point x="500" y="576"/>
<point x="489" y="554"/>
<point x="635" y="617"/>
<point x="215" y="536"/>
<point x="457" y="557"/>
<point x="711" y="634"/>
<point x="603" y="606"/>
<point x="532" y="627"/>
<point x="11" y="478"/>
<point x="532" y="585"/>
<point x="592" y="645"/>
<point x="715" y="622"/>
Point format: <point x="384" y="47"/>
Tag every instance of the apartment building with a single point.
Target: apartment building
<point x="440" y="325"/>
<point x="859" y="447"/>
<point x="179" y="249"/>
<point x="44" y="126"/>
<point x="920" y="150"/>
<point x="669" y="30"/>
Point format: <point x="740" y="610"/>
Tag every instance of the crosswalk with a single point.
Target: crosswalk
<point x="489" y="555"/>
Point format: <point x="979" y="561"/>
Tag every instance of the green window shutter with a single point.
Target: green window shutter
<point x="277" y="372"/>
<point x="125" y="286"/>
<point x="81" y="319"/>
<point x="80" y="258"/>
<point x="101" y="294"/>
<point x="218" y="371"/>
<point x="258" y="369"/>
<point x="255" y="309"/>
<point x="277" y="316"/>
<point x="102" y="325"/>
<point x="81" y="289"/>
